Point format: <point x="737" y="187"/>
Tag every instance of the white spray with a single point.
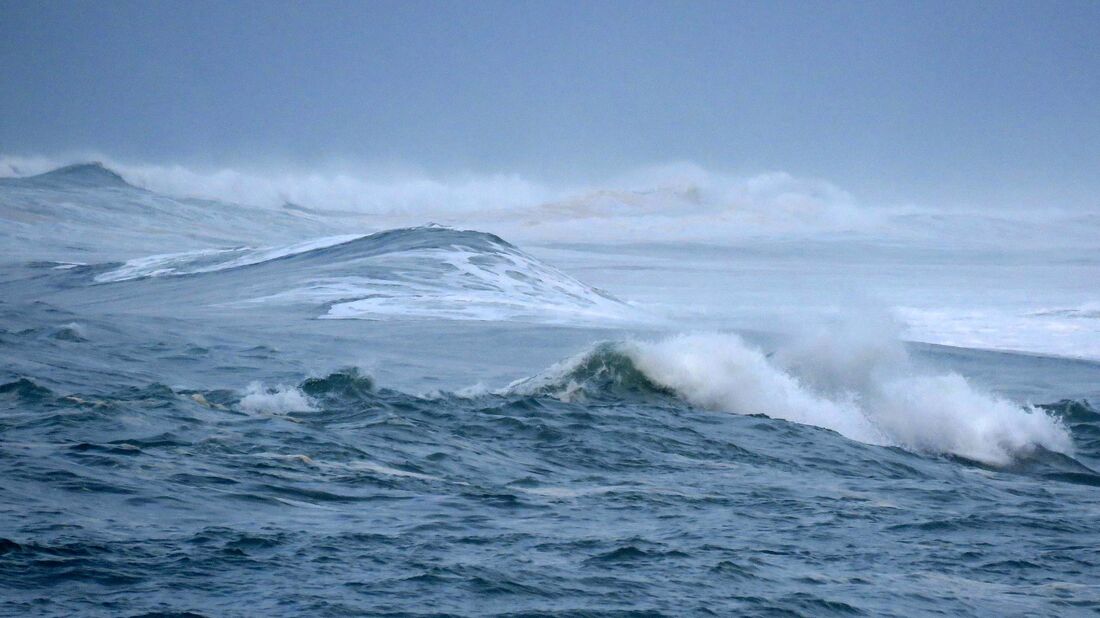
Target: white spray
<point x="854" y="378"/>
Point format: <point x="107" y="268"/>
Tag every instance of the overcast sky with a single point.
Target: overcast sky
<point x="980" y="103"/>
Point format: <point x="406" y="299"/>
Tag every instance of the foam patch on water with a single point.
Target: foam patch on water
<point x="1063" y="331"/>
<point x="275" y="400"/>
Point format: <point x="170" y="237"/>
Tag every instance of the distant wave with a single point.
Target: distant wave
<point x="664" y="203"/>
<point x="78" y="175"/>
<point x="424" y="272"/>
<point x="89" y="212"/>
<point x="421" y="272"/>
<point x="95" y="214"/>
<point x="1086" y="311"/>
<point x="871" y="395"/>
<point x="660" y="203"/>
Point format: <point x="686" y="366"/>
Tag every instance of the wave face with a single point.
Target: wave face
<point x="882" y="401"/>
<point x="423" y="272"/>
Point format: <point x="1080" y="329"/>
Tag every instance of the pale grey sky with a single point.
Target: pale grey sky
<point x="954" y="102"/>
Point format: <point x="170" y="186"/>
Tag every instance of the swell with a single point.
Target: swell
<point x="410" y="273"/>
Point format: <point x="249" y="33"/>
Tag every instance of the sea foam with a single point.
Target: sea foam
<point x="275" y="400"/>
<point x="862" y="386"/>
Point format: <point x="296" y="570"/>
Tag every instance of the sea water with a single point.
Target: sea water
<point x="208" y="412"/>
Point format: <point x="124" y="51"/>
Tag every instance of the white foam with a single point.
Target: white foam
<point x="861" y="386"/>
<point x="211" y="260"/>
<point x="275" y="400"/>
<point x="463" y="284"/>
<point x="722" y="372"/>
<point x="1072" y="331"/>
<point x="160" y="265"/>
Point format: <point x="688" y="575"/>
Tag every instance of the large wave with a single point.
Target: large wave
<point x="863" y="387"/>
<point x="88" y="213"/>
<point x="423" y="272"/>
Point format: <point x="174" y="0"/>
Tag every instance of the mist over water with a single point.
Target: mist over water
<point x="669" y="203"/>
<point x="678" y="391"/>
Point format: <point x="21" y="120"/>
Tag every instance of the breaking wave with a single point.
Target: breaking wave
<point x="925" y="413"/>
<point x="870" y="393"/>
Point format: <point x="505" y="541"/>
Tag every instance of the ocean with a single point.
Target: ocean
<point x="209" y="409"/>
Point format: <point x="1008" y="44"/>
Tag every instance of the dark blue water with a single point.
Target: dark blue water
<point x="169" y="445"/>
<point x="134" y="482"/>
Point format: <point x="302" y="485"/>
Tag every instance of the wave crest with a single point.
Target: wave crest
<point x="344" y="384"/>
<point x="607" y="371"/>
<point x="888" y="403"/>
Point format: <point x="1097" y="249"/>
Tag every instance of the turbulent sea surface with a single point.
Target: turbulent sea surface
<point x="211" y="410"/>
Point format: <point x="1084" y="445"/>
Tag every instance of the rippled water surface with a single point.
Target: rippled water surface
<point x="481" y="433"/>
